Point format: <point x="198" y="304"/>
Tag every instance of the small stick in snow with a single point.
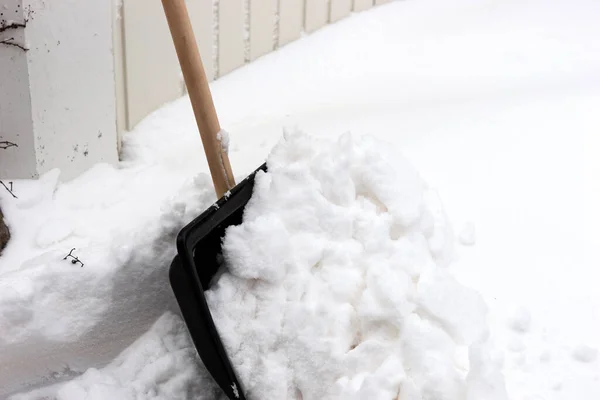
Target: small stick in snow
<point x="75" y="259"/>
<point x="9" y="189"/>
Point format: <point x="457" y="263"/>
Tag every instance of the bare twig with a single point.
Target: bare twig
<point x="6" y="144"/>
<point x="9" y="42"/>
<point x="7" y="25"/>
<point x="9" y="190"/>
<point x="12" y="25"/>
<point x="75" y="260"/>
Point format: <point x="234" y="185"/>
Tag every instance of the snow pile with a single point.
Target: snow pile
<point x="336" y="286"/>
<point x="161" y="364"/>
<point x="461" y="113"/>
<point x="61" y="314"/>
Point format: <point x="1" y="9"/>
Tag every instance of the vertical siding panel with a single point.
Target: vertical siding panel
<point x="152" y="73"/>
<point x="340" y="9"/>
<point x="119" y="62"/>
<point x="291" y="15"/>
<point x="231" y="35"/>
<point x="360" y="5"/>
<point x="262" y="23"/>
<point x="317" y="14"/>
<point x="201" y="14"/>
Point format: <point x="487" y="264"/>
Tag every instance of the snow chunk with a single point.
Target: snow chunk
<point x="264" y="256"/>
<point x="584" y="353"/>
<point x="460" y="310"/>
<point x="485" y="378"/>
<point x="520" y="321"/>
<point x="223" y="137"/>
<point x="467" y="235"/>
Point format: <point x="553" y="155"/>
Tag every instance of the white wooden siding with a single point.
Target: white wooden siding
<point x="340" y="9"/>
<point x="291" y="19"/>
<point x="262" y="27"/>
<point x="201" y="14"/>
<point x="152" y="73"/>
<point x="361" y="5"/>
<point x="231" y="35"/>
<point x="316" y="14"/>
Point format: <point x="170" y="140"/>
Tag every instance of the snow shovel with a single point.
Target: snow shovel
<point x="199" y="242"/>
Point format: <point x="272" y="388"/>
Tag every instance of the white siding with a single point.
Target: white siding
<point x="152" y="74"/>
<point x="340" y="9"/>
<point x="360" y="5"/>
<point x="201" y="14"/>
<point x="231" y="35"/>
<point x="262" y="25"/>
<point x="291" y="16"/>
<point x="317" y="14"/>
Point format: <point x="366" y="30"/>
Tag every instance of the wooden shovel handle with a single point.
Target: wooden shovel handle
<point x="199" y="92"/>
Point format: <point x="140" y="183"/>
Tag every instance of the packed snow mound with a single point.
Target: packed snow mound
<point x="334" y="287"/>
<point x="335" y="283"/>
<point x="56" y="315"/>
<point x="161" y="364"/>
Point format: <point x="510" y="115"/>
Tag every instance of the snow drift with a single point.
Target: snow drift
<point x="334" y="286"/>
<point x="161" y="364"/>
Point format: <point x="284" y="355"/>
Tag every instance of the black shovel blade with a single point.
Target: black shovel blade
<point x="191" y="272"/>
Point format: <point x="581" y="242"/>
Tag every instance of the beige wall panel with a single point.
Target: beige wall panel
<point x="262" y="27"/>
<point x="231" y="35"/>
<point x="317" y="14"/>
<point x="152" y="73"/>
<point x="340" y="9"/>
<point x="291" y="19"/>
<point x="201" y="14"/>
<point x="360" y="5"/>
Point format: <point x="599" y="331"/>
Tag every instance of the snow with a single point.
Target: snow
<point x="584" y="353"/>
<point x="493" y="103"/>
<point x="55" y="313"/>
<point x="223" y="137"/>
<point x="545" y="357"/>
<point x="336" y="288"/>
<point x="161" y="364"/>
<point x="467" y="236"/>
<point x="520" y="321"/>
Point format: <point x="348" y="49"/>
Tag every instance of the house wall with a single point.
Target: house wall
<point x="75" y="75"/>
<point x="57" y="99"/>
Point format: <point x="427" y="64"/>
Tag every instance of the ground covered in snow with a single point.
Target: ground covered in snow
<point x="494" y="103"/>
